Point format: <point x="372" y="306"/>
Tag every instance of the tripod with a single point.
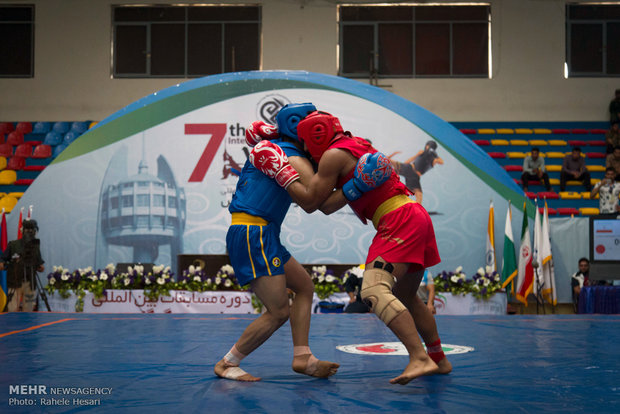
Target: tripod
<point x="31" y="251"/>
<point x="40" y="292"/>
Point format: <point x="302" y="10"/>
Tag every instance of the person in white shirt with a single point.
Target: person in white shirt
<point x="608" y="190"/>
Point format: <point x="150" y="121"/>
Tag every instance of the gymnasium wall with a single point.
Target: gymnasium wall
<point x="73" y="76"/>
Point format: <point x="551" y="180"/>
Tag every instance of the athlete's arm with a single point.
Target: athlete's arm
<point x="335" y="201"/>
<point x="311" y="197"/>
<point x="437" y="161"/>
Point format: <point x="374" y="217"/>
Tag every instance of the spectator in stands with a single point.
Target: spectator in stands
<point x="612" y="137"/>
<point x="609" y="190"/>
<point x="613" y="161"/>
<point x="580" y="279"/>
<point x="614" y="108"/>
<point x="574" y="168"/>
<point x="426" y="291"/>
<point x="534" y="169"/>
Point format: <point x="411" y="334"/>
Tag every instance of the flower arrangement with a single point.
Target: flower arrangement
<point x="158" y="282"/>
<point x="483" y="285"/>
<point x="325" y="282"/>
<point x="195" y="279"/>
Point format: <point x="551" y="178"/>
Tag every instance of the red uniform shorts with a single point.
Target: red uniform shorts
<point x="406" y="235"/>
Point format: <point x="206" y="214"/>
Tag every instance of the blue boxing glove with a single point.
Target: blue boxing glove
<point x="371" y="171"/>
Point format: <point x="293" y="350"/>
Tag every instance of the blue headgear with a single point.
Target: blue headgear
<point x="290" y="115"/>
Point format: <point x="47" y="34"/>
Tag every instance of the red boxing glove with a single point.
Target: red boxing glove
<point x="269" y="159"/>
<point x="258" y="131"/>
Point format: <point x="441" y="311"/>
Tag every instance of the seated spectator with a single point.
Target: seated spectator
<point x="613" y="161"/>
<point x="534" y="169"/>
<point x="612" y="137"/>
<point x="574" y="168"/>
<point x="614" y="108"/>
<point x="426" y="291"/>
<point x="609" y="191"/>
<point x="580" y="279"/>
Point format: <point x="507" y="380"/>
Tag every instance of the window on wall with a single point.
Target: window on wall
<point x="592" y="40"/>
<point x="185" y="41"/>
<point x="17" y="41"/>
<point x="414" y="41"/>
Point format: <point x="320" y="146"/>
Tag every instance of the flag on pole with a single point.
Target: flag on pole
<point x="29" y="212"/>
<point x="490" y="253"/>
<point x="548" y="274"/>
<point x="536" y="258"/>
<point x="525" y="275"/>
<point x="3" y="284"/>
<point x="19" y="225"/>
<point x="509" y="260"/>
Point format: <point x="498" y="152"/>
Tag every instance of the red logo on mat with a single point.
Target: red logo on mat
<point x="378" y="349"/>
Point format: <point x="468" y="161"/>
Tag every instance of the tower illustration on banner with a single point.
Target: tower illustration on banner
<point x="139" y="214"/>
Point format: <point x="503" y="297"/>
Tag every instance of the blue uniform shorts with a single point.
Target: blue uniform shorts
<point x="255" y="251"/>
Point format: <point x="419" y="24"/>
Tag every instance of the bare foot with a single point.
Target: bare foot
<point x="416" y="368"/>
<point x="445" y="367"/>
<point x="224" y="370"/>
<point x="308" y="364"/>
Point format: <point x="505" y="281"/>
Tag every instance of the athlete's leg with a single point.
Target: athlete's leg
<point x="298" y="280"/>
<point x="404" y="328"/>
<point x="406" y="290"/>
<point x="271" y="290"/>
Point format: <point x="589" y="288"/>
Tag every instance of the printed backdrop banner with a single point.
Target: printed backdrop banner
<point x="179" y="301"/>
<point x="154" y="180"/>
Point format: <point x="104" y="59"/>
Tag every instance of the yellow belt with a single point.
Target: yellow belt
<point x="248" y="220"/>
<point x="388" y="206"/>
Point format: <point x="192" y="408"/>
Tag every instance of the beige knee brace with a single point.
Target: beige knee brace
<point x="377" y="293"/>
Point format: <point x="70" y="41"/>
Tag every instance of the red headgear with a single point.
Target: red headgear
<point x="317" y="131"/>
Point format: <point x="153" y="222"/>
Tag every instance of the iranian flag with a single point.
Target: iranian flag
<point x="525" y="275"/>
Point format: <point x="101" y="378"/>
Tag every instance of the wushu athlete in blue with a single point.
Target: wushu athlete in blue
<point x="258" y="208"/>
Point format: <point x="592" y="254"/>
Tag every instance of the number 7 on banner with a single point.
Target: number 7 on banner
<point x="217" y="132"/>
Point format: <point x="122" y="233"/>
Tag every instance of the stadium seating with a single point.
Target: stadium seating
<point x="23" y="150"/>
<point x="58" y="149"/>
<point x="52" y="138"/>
<point x="42" y="127"/>
<point x="61" y="127"/>
<point x="7" y="203"/>
<point x="70" y="137"/>
<point x="16" y="163"/>
<point x="8" y="177"/>
<point x="6" y="150"/>
<point x="42" y="151"/>
<point x="15" y="138"/>
<point x="556" y="140"/>
<point x="6" y="128"/>
<point x="24" y="127"/>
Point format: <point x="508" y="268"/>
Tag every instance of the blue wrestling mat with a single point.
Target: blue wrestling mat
<point x="66" y="363"/>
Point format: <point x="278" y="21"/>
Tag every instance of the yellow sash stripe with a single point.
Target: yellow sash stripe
<point x="388" y="206"/>
<point x="247" y="220"/>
